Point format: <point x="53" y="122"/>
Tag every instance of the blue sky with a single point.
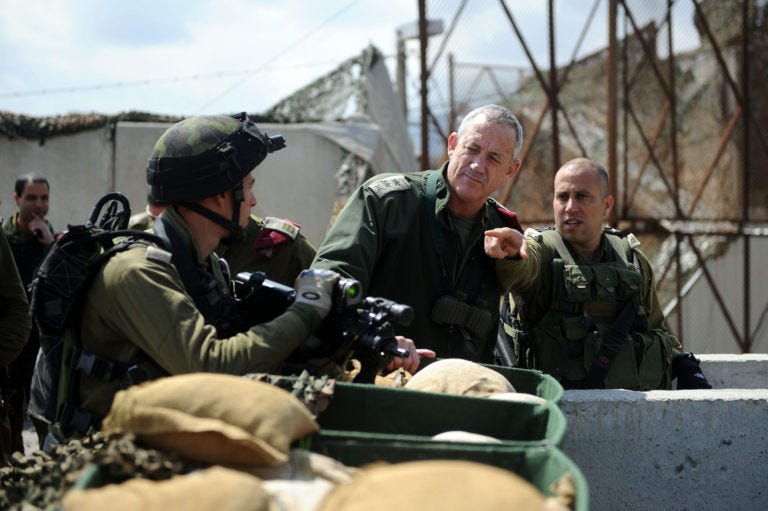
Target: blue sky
<point x="197" y="57"/>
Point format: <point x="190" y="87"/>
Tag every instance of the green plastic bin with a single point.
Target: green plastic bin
<point x="540" y="465"/>
<point x="373" y="409"/>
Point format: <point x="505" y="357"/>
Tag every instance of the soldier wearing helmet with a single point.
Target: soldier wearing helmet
<point x="159" y="312"/>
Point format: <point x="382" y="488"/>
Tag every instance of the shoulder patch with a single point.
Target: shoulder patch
<point x="158" y="254"/>
<point x="509" y="217"/>
<point x="533" y="233"/>
<point x="389" y="184"/>
<point x="287" y="227"/>
<point x="633" y="241"/>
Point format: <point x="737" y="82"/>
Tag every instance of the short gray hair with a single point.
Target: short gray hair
<point x="497" y="114"/>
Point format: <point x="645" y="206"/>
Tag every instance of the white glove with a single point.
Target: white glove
<point x="315" y="287"/>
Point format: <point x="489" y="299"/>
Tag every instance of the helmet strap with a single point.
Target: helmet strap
<point x="233" y="226"/>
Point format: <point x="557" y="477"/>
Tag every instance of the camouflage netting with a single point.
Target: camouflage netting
<point x="39" y="481"/>
<point x="333" y="97"/>
<point x="339" y="95"/>
<point x="40" y="128"/>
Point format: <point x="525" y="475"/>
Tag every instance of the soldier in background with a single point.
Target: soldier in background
<point x="30" y="236"/>
<point x="145" y="219"/>
<point x="15" y="325"/>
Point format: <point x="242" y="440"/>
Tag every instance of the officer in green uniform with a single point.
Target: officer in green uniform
<point x="157" y="312"/>
<point x="585" y="303"/>
<point x="15" y="325"/>
<point x="418" y="238"/>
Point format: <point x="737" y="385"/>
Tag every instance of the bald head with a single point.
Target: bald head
<point x="586" y="166"/>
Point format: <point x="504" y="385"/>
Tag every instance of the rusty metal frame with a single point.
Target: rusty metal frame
<point x="662" y="130"/>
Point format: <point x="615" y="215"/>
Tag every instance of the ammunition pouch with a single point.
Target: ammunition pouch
<point x="449" y="310"/>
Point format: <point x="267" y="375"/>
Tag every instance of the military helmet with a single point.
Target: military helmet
<point x="202" y="156"/>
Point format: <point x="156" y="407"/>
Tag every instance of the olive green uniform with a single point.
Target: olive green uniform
<point x="281" y="261"/>
<point x="15" y="325"/>
<point x="15" y="322"/>
<point x="534" y="285"/>
<point x="383" y="237"/>
<point x="138" y="308"/>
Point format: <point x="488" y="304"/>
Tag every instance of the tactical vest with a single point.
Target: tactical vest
<point x="586" y="303"/>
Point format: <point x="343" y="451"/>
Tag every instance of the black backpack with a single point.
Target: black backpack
<point x="58" y="293"/>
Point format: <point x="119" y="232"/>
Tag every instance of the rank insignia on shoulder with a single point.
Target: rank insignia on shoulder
<point x="534" y="234"/>
<point x="158" y="254"/>
<point x="275" y="233"/>
<point x="287" y="227"/>
<point x="633" y="241"/>
<point x="383" y="186"/>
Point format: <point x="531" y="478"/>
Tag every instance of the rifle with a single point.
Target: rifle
<point x="354" y="328"/>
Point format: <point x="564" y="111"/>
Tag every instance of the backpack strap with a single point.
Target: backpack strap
<point x="218" y="307"/>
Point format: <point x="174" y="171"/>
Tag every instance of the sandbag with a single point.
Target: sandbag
<point x="435" y="485"/>
<point x="459" y="376"/>
<point x="213" y="418"/>
<point x="213" y="489"/>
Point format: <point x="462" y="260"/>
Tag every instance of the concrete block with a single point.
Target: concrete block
<point x="681" y="450"/>
<point x="748" y="371"/>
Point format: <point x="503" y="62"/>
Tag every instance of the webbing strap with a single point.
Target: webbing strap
<point x="183" y="260"/>
<point x="438" y="240"/>
<point x="616" y="337"/>
<point x="554" y="238"/>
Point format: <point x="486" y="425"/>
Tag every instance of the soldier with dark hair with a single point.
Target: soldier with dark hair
<point x="30" y="236"/>
<point x="160" y="312"/>
<point x="585" y="308"/>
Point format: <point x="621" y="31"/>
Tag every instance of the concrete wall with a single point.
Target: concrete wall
<point x="298" y="182"/>
<point x="683" y="450"/>
<point x="78" y="167"/>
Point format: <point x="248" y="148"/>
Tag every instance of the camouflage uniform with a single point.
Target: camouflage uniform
<point x="29" y="252"/>
<point x="141" y="221"/>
